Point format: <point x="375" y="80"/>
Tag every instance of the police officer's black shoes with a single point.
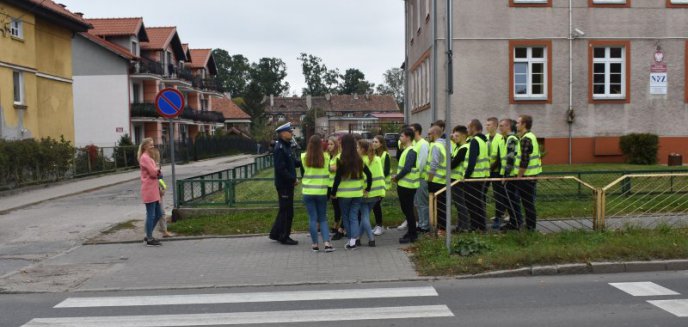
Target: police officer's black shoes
<point x="289" y="241"/>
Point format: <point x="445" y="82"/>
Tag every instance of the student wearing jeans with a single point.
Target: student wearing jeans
<point x="408" y="181"/>
<point x="377" y="191"/>
<point x="150" y="195"/>
<point x="349" y="188"/>
<point x="315" y="166"/>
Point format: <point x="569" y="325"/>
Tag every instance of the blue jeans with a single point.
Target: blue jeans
<point x="316" y="206"/>
<point x="421" y="201"/>
<point x="350" y="208"/>
<point x="153" y="214"/>
<point x="367" y="205"/>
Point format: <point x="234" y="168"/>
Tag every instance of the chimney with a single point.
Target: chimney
<point x="272" y="100"/>
<point x="309" y="102"/>
<point x="80" y="14"/>
<point x="328" y="96"/>
<point x="355" y="96"/>
<point x="62" y="5"/>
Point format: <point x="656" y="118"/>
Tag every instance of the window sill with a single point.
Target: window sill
<point x="669" y="4"/>
<point x="16" y="38"/>
<point x="534" y="100"/>
<point x="623" y="100"/>
<point x="20" y="106"/>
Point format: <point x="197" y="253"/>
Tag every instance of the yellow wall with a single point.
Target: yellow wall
<point x="46" y="48"/>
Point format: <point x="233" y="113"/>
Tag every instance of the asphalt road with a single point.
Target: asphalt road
<point x="46" y="229"/>
<point x="562" y="301"/>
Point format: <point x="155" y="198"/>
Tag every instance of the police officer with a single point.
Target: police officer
<point x="285" y="180"/>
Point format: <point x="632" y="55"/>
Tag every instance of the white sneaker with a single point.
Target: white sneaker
<point x="403" y="226"/>
<point x="377" y="231"/>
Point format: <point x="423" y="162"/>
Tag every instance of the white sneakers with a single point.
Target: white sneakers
<point x="403" y="226"/>
<point x="377" y="231"/>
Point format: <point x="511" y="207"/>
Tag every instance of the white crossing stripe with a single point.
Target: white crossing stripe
<point x="237" y="318"/>
<point x="678" y="307"/>
<point x="643" y="289"/>
<point x="371" y="293"/>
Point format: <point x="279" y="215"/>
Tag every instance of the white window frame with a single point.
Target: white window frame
<point x="529" y="60"/>
<point x="607" y="61"/>
<point x="135" y="47"/>
<point x="679" y="2"/>
<point x="17" y="28"/>
<point x="21" y="89"/>
<point x="609" y="2"/>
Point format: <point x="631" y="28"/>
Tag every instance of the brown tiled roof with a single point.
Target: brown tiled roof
<point x="229" y="109"/>
<point x="370" y="103"/>
<point x="54" y="12"/>
<point x="115" y="26"/>
<point x="158" y="37"/>
<point x="199" y="57"/>
<point x="115" y="48"/>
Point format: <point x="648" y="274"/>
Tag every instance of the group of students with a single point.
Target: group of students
<point x="509" y="150"/>
<point x="355" y="175"/>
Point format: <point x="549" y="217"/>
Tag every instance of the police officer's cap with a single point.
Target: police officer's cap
<point x="284" y="128"/>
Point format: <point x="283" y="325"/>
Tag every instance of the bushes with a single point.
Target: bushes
<point x="640" y="149"/>
<point x="125" y="152"/>
<point x="29" y="160"/>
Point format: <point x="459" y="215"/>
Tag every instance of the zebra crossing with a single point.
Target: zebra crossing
<point x="677" y="307"/>
<point x="252" y="317"/>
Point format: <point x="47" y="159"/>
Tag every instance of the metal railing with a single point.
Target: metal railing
<point x="645" y="200"/>
<point x="220" y="188"/>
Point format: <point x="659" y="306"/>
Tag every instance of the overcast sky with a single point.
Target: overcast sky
<point x="363" y="34"/>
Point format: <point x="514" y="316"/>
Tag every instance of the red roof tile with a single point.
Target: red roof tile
<point x="115" y="26"/>
<point x="58" y="9"/>
<point x="115" y="48"/>
<point x="159" y="37"/>
<point x="199" y="57"/>
<point x="229" y="109"/>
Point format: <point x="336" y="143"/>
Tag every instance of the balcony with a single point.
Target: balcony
<point x="147" y="66"/>
<point x="207" y="84"/>
<point x="203" y="116"/>
<point x="143" y="110"/>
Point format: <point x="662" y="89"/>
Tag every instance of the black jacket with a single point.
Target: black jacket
<point x="285" y="165"/>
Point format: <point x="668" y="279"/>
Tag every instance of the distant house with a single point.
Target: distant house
<point x="236" y="120"/>
<point x="339" y="112"/>
<point x="36" y="82"/>
<point x="120" y="65"/>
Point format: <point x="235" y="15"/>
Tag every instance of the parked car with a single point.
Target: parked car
<point x="391" y="139"/>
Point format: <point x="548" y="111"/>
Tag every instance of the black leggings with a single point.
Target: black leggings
<point x="335" y="206"/>
<point x="377" y="211"/>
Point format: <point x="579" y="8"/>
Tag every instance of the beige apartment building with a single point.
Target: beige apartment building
<point x="588" y="71"/>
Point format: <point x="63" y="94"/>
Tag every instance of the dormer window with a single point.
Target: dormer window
<point x="135" y="48"/>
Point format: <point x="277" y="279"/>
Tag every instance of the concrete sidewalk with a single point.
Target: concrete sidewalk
<point x="76" y="186"/>
<point x="213" y="262"/>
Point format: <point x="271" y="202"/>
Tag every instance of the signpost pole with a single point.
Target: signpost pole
<point x="174" y="177"/>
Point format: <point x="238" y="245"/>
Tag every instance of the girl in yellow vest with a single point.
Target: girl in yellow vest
<point x="349" y="188"/>
<point x="377" y="191"/>
<point x="333" y="150"/>
<point x="380" y="148"/>
<point x="315" y="168"/>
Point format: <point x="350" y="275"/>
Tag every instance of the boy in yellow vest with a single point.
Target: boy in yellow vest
<point x="530" y="166"/>
<point x="478" y="168"/>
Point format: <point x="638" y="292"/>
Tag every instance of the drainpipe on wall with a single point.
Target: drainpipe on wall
<point x="569" y="112"/>
<point x="450" y="91"/>
<point x="433" y="81"/>
<point x="407" y="109"/>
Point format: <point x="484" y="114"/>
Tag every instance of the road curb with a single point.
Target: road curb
<point x="588" y="268"/>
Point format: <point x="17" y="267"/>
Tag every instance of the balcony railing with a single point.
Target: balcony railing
<point x="148" y="110"/>
<point x="209" y="84"/>
<point x="147" y="66"/>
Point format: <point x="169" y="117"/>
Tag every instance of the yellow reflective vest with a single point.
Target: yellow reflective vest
<point x="412" y="179"/>
<point x="375" y="167"/>
<point x="535" y="163"/>
<point x="315" y="179"/>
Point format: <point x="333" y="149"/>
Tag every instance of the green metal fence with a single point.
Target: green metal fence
<point x="239" y="188"/>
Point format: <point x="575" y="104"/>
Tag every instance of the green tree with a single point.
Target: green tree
<point x="393" y="85"/>
<point x="354" y="82"/>
<point x="269" y="75"/>
<point x="233" y="72"/>
<point x="319" y="79"/>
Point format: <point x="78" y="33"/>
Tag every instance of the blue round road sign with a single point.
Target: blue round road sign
<point x="169" y="102"/>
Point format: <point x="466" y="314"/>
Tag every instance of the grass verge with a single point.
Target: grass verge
<point x="123" y="225"/>
<point x="515" y="250"/>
